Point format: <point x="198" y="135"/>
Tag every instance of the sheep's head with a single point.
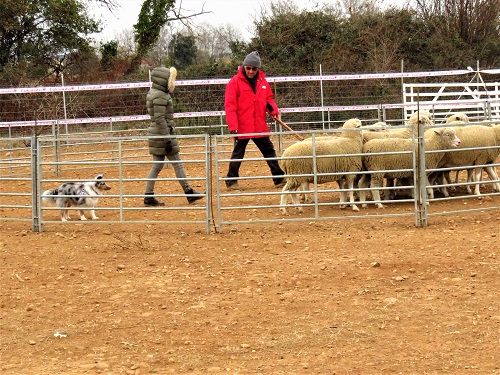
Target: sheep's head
<point x="422" y="116"/>
<point x="449" y="136"/>
<point x="459" y="116"/>
<point x="353" y="123"/>
<point x="380" y="125"/>
<point x="348" y="128"/>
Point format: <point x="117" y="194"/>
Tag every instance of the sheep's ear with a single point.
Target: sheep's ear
<point x="438" y="131"/>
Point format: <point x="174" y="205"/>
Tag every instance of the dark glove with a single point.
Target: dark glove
<point x="168" y="147"/>
<point x="234" y="132"/>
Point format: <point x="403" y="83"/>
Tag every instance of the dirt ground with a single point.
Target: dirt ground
<point x="314" y="297"/>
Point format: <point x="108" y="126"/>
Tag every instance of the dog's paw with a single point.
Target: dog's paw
<point x="95" y="217"/>
<point x="83" y="218"/>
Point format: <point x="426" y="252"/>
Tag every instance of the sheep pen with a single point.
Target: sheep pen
<point x="323" y="158"/>
<point x="169" y="298"/>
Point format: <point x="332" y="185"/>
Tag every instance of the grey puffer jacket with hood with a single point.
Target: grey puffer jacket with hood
<point x="160" y="108"/>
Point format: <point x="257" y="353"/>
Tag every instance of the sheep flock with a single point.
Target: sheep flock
<point x="360" y="158"/>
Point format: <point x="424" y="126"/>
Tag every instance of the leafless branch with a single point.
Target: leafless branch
<point x="179" y="16"/>
<point x="110" y="4"/>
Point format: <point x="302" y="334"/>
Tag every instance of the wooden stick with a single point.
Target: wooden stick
<point x="298" y="136"/>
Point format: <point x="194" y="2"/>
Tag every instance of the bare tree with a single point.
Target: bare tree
<point x="159" y="51"/>
<point x="214" y="41"/>
<point x="473" y="20"/>
<point x="357" y="7"/>
<point x="126" y="42"/>
<point x="110" y="4"/>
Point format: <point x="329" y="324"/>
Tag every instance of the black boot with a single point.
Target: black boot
<point x="151" y="201"/>
<point x="193" y="195"/>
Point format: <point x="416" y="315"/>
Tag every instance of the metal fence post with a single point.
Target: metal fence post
<point x="218" y="225"/>
<point x="56" y="143"/>
<point x="64" y="105"/>
<point x="120" y="176"/>
<point x="420" y="176"/>
<point x="487" y="110"/>
<point x="322" y="96"/>
<point x="315" y="177"/>
<point x="35" y="184"/>
<point x="208" y="181"/>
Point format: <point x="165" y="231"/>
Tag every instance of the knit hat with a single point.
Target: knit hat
<point x="252" y="59"/>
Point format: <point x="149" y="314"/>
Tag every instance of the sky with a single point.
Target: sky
<point x="239" y="13"/>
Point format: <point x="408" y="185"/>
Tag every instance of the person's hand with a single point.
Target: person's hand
<point x="168" y="147"/>
<point x="234" y="132"/>
<point x="277" y="116"/>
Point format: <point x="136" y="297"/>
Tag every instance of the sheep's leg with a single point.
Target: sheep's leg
<point x="343" y="195"/>
<point x="289" y="192"/>
<point x="306" y="196"/>
<point x="430" y="189"/>
<point x="284" y="199"/>
<point x="447" y="179"/>
<point x="350" y="185"/>
<point x="296" y="201"/>
<point x="390" y="194"/>
<point x="492" y="174"/>
<point x="476" y="177"/>
<point x="375" y="184"/>
<point x="470" y="178"/>
<point x="362" y="184"/>
<point x="439" y="178"/>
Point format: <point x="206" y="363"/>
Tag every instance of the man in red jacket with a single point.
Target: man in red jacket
<point x="248" y="98"/>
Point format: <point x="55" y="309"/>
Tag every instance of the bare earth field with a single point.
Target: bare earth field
<point x="377" y="296"/>
<point x="302" y="298"/>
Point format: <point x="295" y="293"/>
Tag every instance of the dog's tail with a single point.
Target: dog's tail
<point x="48" y="196"/>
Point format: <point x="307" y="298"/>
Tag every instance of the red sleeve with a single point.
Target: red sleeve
<point x="231" y="105"/>
<point x="271" y="102"/>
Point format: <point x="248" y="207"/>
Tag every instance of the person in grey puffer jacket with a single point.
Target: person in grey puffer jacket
<point x="160" y="108"/>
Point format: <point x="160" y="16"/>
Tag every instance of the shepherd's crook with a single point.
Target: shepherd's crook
<point x="299" y="137"/>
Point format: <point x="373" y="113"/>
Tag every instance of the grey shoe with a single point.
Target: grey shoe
<point x="193" y="195"/>
<point x="151" y="201"/>
<point x="233" y="186"/>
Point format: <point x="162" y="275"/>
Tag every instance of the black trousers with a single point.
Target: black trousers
<point x="266" y="147"/>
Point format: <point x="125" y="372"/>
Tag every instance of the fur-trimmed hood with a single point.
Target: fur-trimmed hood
<point x="164" y="78"/>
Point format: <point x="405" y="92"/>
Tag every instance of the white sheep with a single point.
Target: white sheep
<point x="445" y="176"/>
<point x="458" y="116"/>
<point x="326" y="148"/>
<point x="472" y="136"/>
<point x="422" y="116"/>
<point x="435" y="139"/>
<point x="305" y="196"/>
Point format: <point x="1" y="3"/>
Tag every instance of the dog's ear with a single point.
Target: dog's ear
<point x="99" y="176"/>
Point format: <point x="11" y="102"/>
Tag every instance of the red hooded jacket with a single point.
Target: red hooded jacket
<point x="246" y="110"/>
